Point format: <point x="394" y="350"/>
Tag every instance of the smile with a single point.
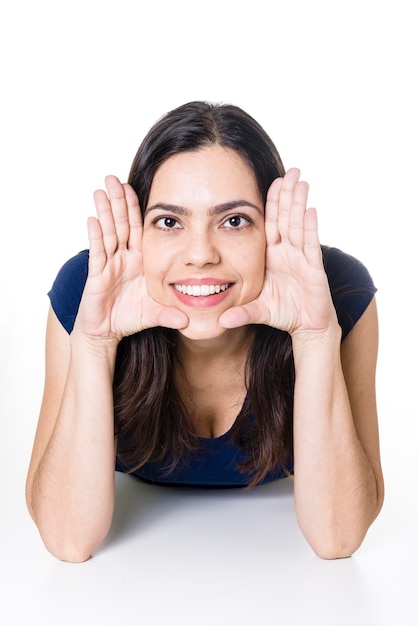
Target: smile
<point x="200" y="290"/>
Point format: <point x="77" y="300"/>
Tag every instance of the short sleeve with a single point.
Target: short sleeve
<point x="67" y="289"/>
<point x="351" y="285"/>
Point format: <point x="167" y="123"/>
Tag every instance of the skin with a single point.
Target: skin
<point x="190" y="236"/>
<point x="273" y="265"/>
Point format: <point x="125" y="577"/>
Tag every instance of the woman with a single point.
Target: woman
<point x="206" y="338"/>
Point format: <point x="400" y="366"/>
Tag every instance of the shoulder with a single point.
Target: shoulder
<point x="67" y="289"/>
<point x="343" y="268"/>
<point x="351" y="285"/>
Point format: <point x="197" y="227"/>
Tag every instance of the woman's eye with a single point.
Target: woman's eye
<point x="167" y="223"/>
<point x="236" y="221"/>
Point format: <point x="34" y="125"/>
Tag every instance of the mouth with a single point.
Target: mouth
<point x="201" y="296"/>
<point x="197" y="291"/>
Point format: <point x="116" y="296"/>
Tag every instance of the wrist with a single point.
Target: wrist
<point x="317" y="339"/>
<point x="98" y="347"/>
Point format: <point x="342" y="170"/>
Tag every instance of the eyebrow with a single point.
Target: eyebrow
<point x="215" y="210"/>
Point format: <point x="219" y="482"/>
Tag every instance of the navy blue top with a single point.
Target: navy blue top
<point x="216" y="464"/>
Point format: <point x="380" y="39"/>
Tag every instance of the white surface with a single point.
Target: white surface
<point x="203" y="557"/>
<point x="334" y="84"/>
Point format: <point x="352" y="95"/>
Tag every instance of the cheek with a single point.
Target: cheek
<point x="152" y="264"/>
<point x="259" y="277"/>
<point x="255" y="270"/>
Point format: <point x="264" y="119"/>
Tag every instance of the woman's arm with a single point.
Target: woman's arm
<point x="70" y="484"/>
<point x="338" y="477"/>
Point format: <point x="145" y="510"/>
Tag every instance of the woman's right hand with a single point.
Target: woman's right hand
<point x="115" y="301"/>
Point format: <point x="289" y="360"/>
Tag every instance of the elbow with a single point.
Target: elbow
<point x="69" y="553"/>
<point x="69" y="548"/>
<point x="337" y="543"/>
<point x="337" y="540"/>
<point x="340" y="538"/>
<point x="335" y="549"/>
<point x="66" y="538"/>
<point x="332" y="542"/>
<point x="55" y="542"/>
<point x="67" y="544"/>
<point x="75" y="541"/>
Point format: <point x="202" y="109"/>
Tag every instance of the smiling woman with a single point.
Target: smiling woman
<point x="207" y="338"/>
<point x="204" y="237"/>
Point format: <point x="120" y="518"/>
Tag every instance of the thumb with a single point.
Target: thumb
<point x="243" y="315"/>
<point x="170" y="317"/>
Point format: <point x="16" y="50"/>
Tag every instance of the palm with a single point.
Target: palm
<point x="116" y="302"/>
<point x="295" y="295"/>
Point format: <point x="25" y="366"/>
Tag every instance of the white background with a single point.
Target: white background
<point x="334" y="84"/>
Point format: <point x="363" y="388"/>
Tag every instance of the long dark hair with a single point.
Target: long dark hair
<point x="150" y="418"/>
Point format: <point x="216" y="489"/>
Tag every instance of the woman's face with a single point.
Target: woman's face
<point x="204" y="237"/>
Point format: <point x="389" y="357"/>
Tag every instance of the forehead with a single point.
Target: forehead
<point x="204" y="176"/>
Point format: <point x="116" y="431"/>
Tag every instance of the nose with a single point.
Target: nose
<point x="200" y="249"/>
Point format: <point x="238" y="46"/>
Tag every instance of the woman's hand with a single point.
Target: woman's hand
<point x="295" y="296"/>
<point x="115" y="300"/>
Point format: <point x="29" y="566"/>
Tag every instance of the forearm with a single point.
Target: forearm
<point x="335" y="488"/>
<point x="72" y="491"/>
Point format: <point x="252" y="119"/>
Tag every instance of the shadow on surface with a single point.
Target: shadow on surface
<point x="140" y="506"/>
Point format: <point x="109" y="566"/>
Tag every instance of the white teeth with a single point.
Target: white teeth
<point x="200" y="290"/>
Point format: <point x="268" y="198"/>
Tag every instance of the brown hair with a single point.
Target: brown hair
<point x="150" y="419"/>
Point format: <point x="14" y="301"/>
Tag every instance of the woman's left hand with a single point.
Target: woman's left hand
<point x="295" y="296"/>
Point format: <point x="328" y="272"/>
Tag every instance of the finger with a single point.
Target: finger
<point x="119" y="209"/>
<point x="134" y="217"/>
<point x="105" y="218"/>
<point x="251" y="313"/>
<point x="97" y="254"/>
<point x="285" y="201"/>
<point x="170" y="317"/>
<point x="312" y="246"/>
<point x="297" y="211"/>
<point x="271" y="215"/>
<point x="167" y="317"/>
